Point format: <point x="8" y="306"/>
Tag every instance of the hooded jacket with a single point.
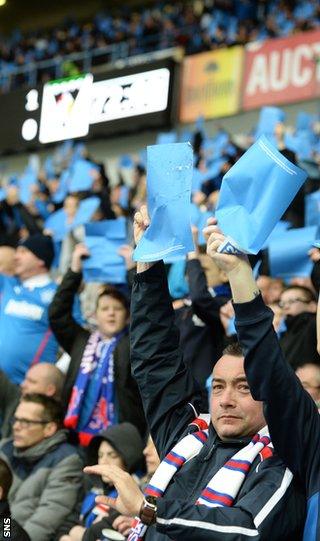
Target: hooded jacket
<point x="47" y="485"/>
<point x="269" y="506"/>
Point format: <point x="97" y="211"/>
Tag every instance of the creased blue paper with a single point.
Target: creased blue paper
<point x="269" y="117"/>
<point x="254" y="194"/>
<point x="288" y="253"/>
<point x="312" y="208"/>
<point x="57" y="221"/>
<point x="169" y="178"/>
<point x="103" y="240"/>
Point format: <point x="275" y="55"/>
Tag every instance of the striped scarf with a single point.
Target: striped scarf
<point x="222" y="489"/>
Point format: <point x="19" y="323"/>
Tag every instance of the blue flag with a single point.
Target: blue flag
<point x="254" y="194"/>
<point x="288" y="253"/>
<point x="103" y="240"/>
<point x="169" y="179"/>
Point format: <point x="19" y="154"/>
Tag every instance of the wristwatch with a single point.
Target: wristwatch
<point x="148" y="511"/>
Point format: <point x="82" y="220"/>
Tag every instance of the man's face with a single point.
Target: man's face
<point x="234" y="413"/>
<point x="111" y="316"/>
<point x="151" y="456"/>
<point x="294" y="302"/>
<point x="27" y="264"/>
<point x="309" y="375"/>
<point x="35" y="381"/>
<point x="29" y="426"/>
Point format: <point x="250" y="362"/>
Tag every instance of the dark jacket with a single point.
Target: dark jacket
<point x="9" y="528"/>
<point x="10" y="394"/>
<point x="201" y="331"/>
<point x="292" y="416"/>
<point x="171" y="398"/>
<point x="73" y="339"/>
<point x="47" y="485"/>
<point x="299" y="342"/>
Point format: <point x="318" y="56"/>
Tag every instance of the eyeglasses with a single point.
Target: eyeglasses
<point x="25" y="423"/>
<point x="289" y="302"/>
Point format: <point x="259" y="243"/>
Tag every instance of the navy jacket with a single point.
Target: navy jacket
<point x="292" y="416"/>
<point x="268" y="506"/>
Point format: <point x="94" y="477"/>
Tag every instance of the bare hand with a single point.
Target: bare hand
<point x="123" y="524"/>
<point x="314" y="254"/>
<point x="140" y="223"/>
<point x="130" y="497"/>
<point x="79" y="252"/>
<point x="225" y="262"/>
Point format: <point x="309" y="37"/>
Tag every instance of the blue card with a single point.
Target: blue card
<point x="103" y="240"/>
<point x="254" y="194"/>
<point x="288" y="253"/>
<point x="169" y="178"/>
<point x="81" y="175"/>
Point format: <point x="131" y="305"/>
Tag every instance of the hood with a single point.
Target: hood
<point x="31" y="454"/>
<point x="125" y="439"/>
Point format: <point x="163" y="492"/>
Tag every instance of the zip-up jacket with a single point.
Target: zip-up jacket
<point x="268" y="506"/>
<point x="292" y="416"/>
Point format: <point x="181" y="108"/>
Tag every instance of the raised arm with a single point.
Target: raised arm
<point x="62" y="322"/>
<point x="291" y="414"/>
<point x="165" y="384"/>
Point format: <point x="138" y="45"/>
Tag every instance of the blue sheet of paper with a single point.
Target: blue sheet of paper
<point x="254" y="194"/>
<point x="288" y="253"/>
<point x="103" y="240"/>
<point x="268" y="118"/>
<point x="57" y="221"/>
<point x="279" y="228"/>
<point x="26" y="183"/>
<point x="312" y="208"/>
<point x="166" y="138"/>
<point x="169" y="178"/>
<point x="81" y="175"/>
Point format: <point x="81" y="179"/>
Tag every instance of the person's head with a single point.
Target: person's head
<point x="309" y="375"/>
<point x="43" y="378"/>
<point x="120" y="445"/>
<point x="234" y="413"/>
<point x="295" y="300"/>
<point x="6" y="479"/>
<point x="275" y="289"/>
<point x="151" y="456"/>
<point x="34" y="256"/>
<point x="70" y="206"/>
<point x="37" y="417"/>
<point x="263" y="283"/>
<point x="7" y="265"/>
<point x="112" y="312"/>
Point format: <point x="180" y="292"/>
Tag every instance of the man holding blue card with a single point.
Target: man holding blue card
<point x="292" y="415"/>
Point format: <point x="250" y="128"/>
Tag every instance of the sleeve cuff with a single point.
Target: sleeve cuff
<point x="250" y="310"/>
<point x="155" y="273"/>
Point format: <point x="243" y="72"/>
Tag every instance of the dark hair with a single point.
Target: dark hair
<point x="5" y="478"/>
<point x="53" y="411"/>
<point x="310" y="296"/>
<point x="110" y="291"/>
<point x="233" y="349"/>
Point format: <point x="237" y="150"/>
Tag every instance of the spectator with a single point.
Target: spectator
<point x="298" y="342"/>
<point x="309" y="375"/>
<point x="10" y="529"/>
<point x="170" y="400"/>
<point x="43" y="378"/>
<point x="47" y="478"/>
<point x="292" y="415"/>
<point x="95" y="357"/>
<point x="24" y="309"/>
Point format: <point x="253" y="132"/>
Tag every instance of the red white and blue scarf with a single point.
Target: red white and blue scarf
<point x="97" y="363"/>
<point x="222" y="489"/>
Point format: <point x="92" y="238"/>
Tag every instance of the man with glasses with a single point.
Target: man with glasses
<point x="298" y="342"/>
<point x="47" y="487"/>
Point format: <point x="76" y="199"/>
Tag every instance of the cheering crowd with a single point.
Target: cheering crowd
<point x="197" y="25"/>
<point x="106" y="384"/>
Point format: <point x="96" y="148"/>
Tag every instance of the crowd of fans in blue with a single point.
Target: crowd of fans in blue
<point x="197" y="25"/>
<point x="70" y="396"/>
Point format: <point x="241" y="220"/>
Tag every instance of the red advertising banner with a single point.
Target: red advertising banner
<point x="282" y="70"/>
